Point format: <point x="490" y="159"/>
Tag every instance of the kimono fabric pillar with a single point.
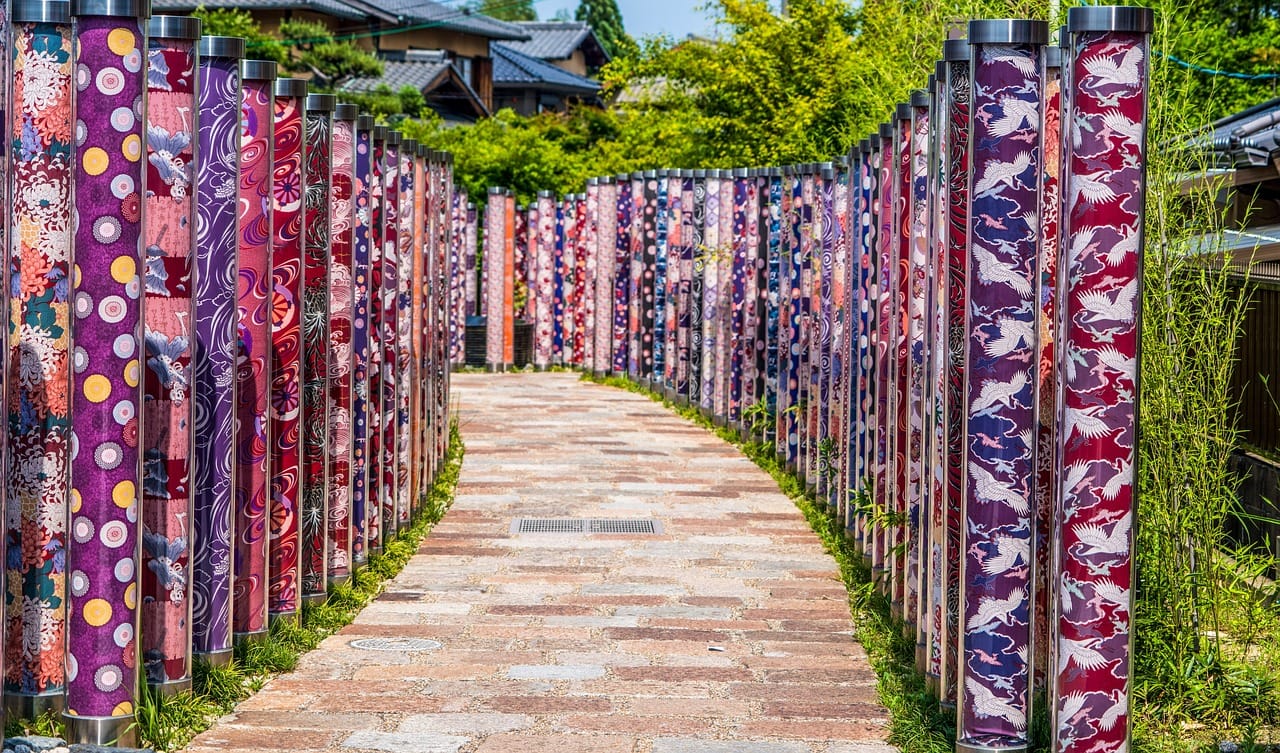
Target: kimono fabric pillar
<point x="217" y="243"/>
<point x="288" y="184"/>
<point x="341" y="311"/>
<point x="562" y="342"/>
<point x="106" y="382"/>
<point x="901" y="594"/>
<point x="789" y="325"/>
<point x="361" y="198"/>
<point x="590" y="242"/>
<point x="318" y="158"/>
<point x="606" y="240"/>
<point x="696" y="185"/>
<point x="168" y="407"/>
<point x="419" y="385"/>
<point x="253" y="373"/>
<point x="1007" y="69"/>
<point x="685" y="252"/>
<point x="622" y="276"/>
<point x="373" y="498"/>
<point x="542" y="286"/>
<point x="404" y="327"/>
<point x="1101" y="291"/>
<point x="389" y="331"/>
<point x="711" y="290"/>
<point x="956" y="152"/>
<point x="916" y="226"/>
<point x="39" y="359"/>
<point x="771" y="225"/>
<point x="495" y="217"/>
<point x="882" y="453"/>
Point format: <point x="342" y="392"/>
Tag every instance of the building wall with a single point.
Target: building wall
<point x="577" y="63"/>
<point x="465" y="45"/>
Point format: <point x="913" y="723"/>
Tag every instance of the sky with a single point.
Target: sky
<point x="677" y="18"/>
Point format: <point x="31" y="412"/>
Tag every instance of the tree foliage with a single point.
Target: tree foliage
<point x="507" y="10"/>
<point x="302" y="47"/>
<point x="605" y="20"/>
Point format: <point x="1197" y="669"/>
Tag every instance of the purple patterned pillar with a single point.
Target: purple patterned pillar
<point x="106" y="373"/>
<point x="288" y="186"/>
<point x="389" y="331"/>
<point x="669" y="260"/>
<point x="956" y="153"/>
<point x="622" y="277"/>
<point x="886" y="263"/>
<point x="685" y="303"/>
<point x="253" y="381"/>
<point x="39" y="357"/>
<point x="1101" y="276"/>
<point x="316" y="260"/>
<point x="835" y="371"/>
<point x="789" y="337"/>
<point x="825" y="233"/>
<point x="635" y="323"/>
<point x="900" y="357"/>
<point x="409" y="232"/>
<point x="341" y="314"/>
<point x="737" y="251"/>
<point x="711" y="290"/>
<point x="590" y="243"/>
<point x="771" y="230"/>
<point x="724" y="298"/>
<point x="217" y="243"/>
<point x="377" y="188"/>
<point x="360" y="350"/>
<point x="1007" y="59"/>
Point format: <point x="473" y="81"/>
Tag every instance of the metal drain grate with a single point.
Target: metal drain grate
<point x="401" y="645"/>
<point x="585" y="525"/>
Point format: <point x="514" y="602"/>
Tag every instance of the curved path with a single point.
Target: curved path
<point x="727" y="633"/>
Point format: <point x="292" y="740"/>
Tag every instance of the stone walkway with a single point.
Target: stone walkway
<point x="728" y="633"/>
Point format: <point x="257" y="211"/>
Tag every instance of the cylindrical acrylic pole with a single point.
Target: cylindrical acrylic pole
<point x="167" y="412"/>
<point x="622" y="277"/>
<point x="341" y="312"/>
<point x="1007" y="70"/>
<point x="685" y="305"/>
<point x="253" y="383"/>
<point x="669" y="270"/>
<point x="655" y="242"/>
<point x="318" y="156"/>
<point x="495" y="216"/>
<point x="361" y="218"/>
<point x="106" y="381"/>
<point x="377" y="229"/>
<point x="916" y="228"/>
<point x="738" y="340"/>
<point x="956" y="151"/>
<point x="886" y="264"/>
<point x="404" y="325"/>
<point x="39" y="363"/>
<point x="635" y="317"/>
<point x="606" y="240"/>
<point x="543" y="291"/>
<point x="711" y="290"/>
<point x="771" y="225"/>
<point x="1101" y="294"/>
<point x="390" y="329"/>
<point x="580" y="287"/>
<point x="288" y="187"/>
<point x="724" y="316"/>
<point x="217" y="243"/>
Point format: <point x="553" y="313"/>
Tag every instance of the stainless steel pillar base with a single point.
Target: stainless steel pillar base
<point x="23" y="706"/>
<point x="171" y="688"/>
<point x="962" y="747"/>
<point x="101" y="730"/>
<point x="495" y="368"/>
<point x="314" y="599"/>
<point x="291" y="617"/>
<point x="339" y="580"/>
<point x="257" y="636"/>
<point x="215" y="658"/>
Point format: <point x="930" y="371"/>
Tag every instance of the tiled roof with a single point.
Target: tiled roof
<point x="335" y="8"/>
<point x="398" y="74"/>
<point x="416" y="12"/>
<point x="1250" y="138"/>
<point x="512" y="69"/>
<point x="558" y="40"/>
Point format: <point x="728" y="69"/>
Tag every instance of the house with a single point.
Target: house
<point x="1242" y="154"/>
<point x="550" y="69"/>
<point x="444" y="51"/>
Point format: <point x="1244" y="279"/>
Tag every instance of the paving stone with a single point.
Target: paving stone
<point x="589" y="644"/>
<point x="469" y="724"/>
<point x="400" y="742"/>
<point x="555" y="672"/>
<point x="686" y="745"/>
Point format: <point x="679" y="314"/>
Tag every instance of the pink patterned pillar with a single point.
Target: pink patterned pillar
<point x="341" y="315"/>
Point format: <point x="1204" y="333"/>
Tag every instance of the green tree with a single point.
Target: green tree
<point x="232" y="22"/>
<point x="507" y="10"/>
<point x="606" y="20"/>
<point x="330" y="61"/>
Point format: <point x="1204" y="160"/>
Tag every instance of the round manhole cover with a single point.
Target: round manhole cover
<point x="397" y="644"/>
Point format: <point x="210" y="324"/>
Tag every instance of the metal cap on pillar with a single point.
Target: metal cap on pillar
<point x="221" y="47"/>
<point x="1122" y="18"/>
<point x="955" y="50"/>
<point x="290" y="87"/>
<point x="111" y="8"/>
<point x="158" y="27"/>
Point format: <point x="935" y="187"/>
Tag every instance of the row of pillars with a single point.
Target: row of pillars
<point x="937" y="332"/>
<point x="230" y="310"/>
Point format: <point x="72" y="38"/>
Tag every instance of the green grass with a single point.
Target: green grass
<point x="167" y="724"/>
<point x="917" y="723"/>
